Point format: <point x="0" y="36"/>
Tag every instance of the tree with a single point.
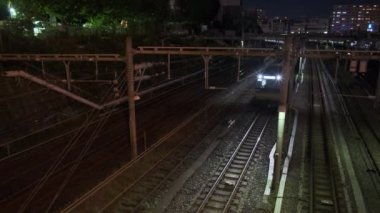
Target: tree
<point x="74" y="11"/>
<point x="142" y="15"/>
<point x="4" y="13"/>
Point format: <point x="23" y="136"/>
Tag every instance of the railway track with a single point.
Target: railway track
<point x="137" y="194"/>
<point x="164" y="172"/>
<point x="220" y="194"/>
<point x="53" y="144"/>
<point x="35" y="169"/>
<point x="367" y="133"/>
<point x="323" y="195"/>
<point x="364" y="130"/>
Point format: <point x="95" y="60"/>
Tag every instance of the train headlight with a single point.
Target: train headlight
<point x="278" y="77"/>
<point x="260" y="76"/>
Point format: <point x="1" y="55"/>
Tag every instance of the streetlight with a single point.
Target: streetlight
<point x="12" y="10"/>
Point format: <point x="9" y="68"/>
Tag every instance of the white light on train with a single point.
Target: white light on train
<point x="261" y="77"/>
<point x="269" y="77"/>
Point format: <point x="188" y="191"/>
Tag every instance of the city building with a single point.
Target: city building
<point x="229" y="8"/>
<point x="276" y="25"/>
<point x="355" y="18"/>
<point x="230" y="15"/>
<point x="251" y="19"/>
<point x="258" y="14"/>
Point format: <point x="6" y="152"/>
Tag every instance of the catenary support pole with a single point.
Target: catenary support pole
<point x="96" y="70"/>
<point x="68" y="74"/>
<point x="238" y="69"/>
<point x="293" y="46"/>
<point x="377" y="104"/>
<point x="131" y="98"/>
<point x="287" y="66"/>
<point x="347" y="61"/>
<point x="206" y="60"/>
<point x="43" y="69"/>
<point x="336" y="70"/>
<point x="169" y="68"/>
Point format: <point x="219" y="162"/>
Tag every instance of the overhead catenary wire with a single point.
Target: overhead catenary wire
<point x="61" y="122"/>
<point x="59" y="159"/>
<point x="78" y="160"/>
<point x="53" y="168"/>
<point x="67" y="120"/>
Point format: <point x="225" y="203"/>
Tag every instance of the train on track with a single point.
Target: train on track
<point x="268" y="83"/>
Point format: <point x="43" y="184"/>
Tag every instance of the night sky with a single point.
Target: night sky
<point x="300" y="8"/>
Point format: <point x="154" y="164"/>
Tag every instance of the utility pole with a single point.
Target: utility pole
<point x="282" y="110"/>
<point x="238" y="68"/>
<point x="206" y="60"/>
<point x="131" y="98"/>
<point x="68" y="74"/>
<point x="169" y="68"/>
<point x="336" y="70"/>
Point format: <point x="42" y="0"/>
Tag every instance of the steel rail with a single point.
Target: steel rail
<point x="119" y="172"/>
<point x="227" y="166"/>
<point x="179" y="164"/>
<point x="226" y="208"/>
<point x="323" y="186"/>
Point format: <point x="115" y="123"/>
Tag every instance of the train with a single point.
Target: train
<point x="268" y="83"/>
